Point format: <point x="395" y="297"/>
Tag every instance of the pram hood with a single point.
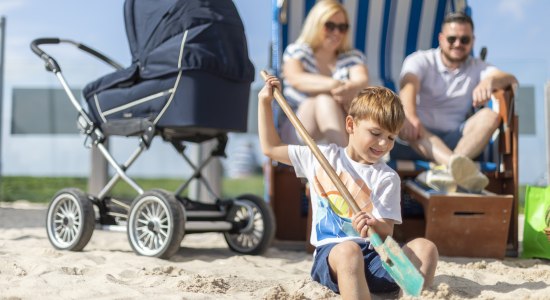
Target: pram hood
<point x="215" y="41"/>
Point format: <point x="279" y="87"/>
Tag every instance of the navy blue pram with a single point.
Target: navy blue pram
<point x="189" y="81"/>
<point x="190" y="68"/>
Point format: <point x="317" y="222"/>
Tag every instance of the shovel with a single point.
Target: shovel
<point x="393" y="259"/>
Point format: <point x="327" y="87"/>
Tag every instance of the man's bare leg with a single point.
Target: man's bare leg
<point x="477" y="132"/>
<point x="433" y="148"/>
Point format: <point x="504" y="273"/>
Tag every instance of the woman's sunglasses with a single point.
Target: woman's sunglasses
<point x="464" y="40"/>
<point x="342" y="27"/>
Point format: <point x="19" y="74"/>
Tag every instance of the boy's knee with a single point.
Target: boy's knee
<point x="348" y="252"/>
<point x="348" y="248"/>
<point x="423" y="246"/>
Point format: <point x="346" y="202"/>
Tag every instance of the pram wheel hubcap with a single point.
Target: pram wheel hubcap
<point x="156" y="224"/>
<point x="153" y="227"/>
<point x="254" y="225"/>
<point x="70" y="220"/>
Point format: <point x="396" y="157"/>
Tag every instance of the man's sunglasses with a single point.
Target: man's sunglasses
<point x="464" y="40"/>
<point x="342" y="27"/>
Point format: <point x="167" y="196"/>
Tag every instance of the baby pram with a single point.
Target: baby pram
<point x="189" y="81"/>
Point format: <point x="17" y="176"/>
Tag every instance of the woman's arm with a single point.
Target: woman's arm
<point x="310" y="83"/>
<point x="358" y="80"/>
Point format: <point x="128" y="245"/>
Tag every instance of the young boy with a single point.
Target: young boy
<point x="343" y="260"/>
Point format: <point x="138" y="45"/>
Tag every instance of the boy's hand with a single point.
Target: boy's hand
<point x="362" y="221"/>
<point x="266" y="93"/>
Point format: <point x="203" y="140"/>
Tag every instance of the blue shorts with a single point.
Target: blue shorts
<point x="378" y="279"/>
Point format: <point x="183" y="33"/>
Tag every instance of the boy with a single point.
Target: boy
<point x="343" y="260"/>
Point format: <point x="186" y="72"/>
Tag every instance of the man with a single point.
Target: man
<point x="438" y="89"/>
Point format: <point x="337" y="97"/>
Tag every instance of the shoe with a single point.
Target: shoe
<point x="438" y="180"/>
<point x="466" y="174"/>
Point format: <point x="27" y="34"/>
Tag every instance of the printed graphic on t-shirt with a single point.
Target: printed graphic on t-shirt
<point x="333" y="217"/>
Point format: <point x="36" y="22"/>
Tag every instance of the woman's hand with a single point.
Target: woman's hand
<point x="344" y="93"/>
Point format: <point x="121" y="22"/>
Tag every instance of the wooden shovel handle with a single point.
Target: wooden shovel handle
<point x="314" y="148"/>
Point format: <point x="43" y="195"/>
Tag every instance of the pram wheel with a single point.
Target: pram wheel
<point x="156" y="224"/>
<point x="70" y="220"/>
<point x="255" y="225"/>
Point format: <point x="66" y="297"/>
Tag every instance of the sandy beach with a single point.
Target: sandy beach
<point x="205" y="268"/>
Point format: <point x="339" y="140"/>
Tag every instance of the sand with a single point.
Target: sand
<point x="204" y="268"/>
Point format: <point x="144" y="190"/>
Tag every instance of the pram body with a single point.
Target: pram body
<point x="189" y="81"/>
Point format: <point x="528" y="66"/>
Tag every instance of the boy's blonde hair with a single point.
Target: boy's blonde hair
<point x="381" y="105"/>
<point x="313" y="28"/>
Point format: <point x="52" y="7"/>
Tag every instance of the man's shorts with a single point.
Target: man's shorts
<point x="378" y="279"/>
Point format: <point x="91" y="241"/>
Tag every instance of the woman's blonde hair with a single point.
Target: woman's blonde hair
<point x="312" y="30"/>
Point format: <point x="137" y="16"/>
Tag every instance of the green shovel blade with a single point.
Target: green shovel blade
<point x="398" y="265"/>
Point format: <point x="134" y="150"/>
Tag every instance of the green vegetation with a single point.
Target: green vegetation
<point x="42" y="189"/>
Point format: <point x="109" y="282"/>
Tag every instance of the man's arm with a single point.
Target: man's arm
<point x="495" y="80"/>
<point x="270" y="141"/>
<point x="409" y="88"/>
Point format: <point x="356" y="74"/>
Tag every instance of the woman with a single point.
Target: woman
<point x="322" y="74"/>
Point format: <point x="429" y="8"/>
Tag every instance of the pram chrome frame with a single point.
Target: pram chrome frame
<point x="155" y="220"/>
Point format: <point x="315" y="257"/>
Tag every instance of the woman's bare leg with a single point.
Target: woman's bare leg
<point x="324" y="119"/>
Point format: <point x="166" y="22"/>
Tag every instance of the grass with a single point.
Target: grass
<point x="42" y="189"/>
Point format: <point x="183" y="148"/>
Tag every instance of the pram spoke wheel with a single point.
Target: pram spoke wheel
<point x="70" y="220"/>
<point x="156" y="224"/>
<point x="254" y="223"/>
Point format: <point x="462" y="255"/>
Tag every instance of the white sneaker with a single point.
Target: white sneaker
<point x="439" y="180"/>
<point x="466" y="174"/>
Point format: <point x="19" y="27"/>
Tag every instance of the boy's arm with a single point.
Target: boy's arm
<point x="271" y="143"/>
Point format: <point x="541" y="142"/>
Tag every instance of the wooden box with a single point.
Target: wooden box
<point x="469" y="225"/>
<point x="287" y="196"/>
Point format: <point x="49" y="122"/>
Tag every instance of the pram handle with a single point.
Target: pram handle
<point x="51" y="63"/>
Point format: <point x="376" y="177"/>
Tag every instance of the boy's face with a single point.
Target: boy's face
<point x="368" y="142"/>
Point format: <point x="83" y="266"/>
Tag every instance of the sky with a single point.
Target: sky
<point x="514" y="31"/>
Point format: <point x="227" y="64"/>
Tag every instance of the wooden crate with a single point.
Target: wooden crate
<point x="287" y="196"/>
<point x="469" y="225"/>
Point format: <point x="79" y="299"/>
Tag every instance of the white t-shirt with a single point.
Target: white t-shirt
<point x="445" y="96"/>
<point x="375" y="188"/>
